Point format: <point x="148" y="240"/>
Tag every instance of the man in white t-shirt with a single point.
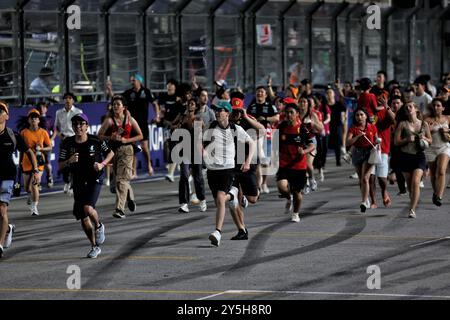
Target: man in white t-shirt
<point x="219" y="157"/>
<point x="63" y="128"/>
<point x="421" y="99"/>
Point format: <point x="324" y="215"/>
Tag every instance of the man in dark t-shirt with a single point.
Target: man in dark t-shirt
<point x="137" y="100"/>
<point x="10" y="142"/>
<point x="86" y="155"/>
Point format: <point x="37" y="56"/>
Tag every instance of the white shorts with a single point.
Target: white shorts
<point x="381" y="170"/>
<point x="432" y="152"/>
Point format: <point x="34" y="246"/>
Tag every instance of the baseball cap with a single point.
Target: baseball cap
<point x="237" y="104"/>
<point x="289" y="100"/>
<point x="222" y="104"/>
<point x="221" y="83"/>
<point x="33" y="111"/>
<point x="80" y="116"/>
<point x="139" y="78"/>
<point x="68" y="94"/>
<point x="4" y="107"/>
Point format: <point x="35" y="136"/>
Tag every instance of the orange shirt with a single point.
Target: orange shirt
<point x="32" y="139"/>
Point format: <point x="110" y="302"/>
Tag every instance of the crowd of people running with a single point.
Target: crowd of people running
<point x="388" y="132"/>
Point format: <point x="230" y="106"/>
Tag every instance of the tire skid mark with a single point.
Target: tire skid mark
<point x="350" y="230"/>
<point x="107" y="272"/>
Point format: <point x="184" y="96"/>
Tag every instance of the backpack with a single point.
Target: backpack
<point x="12" y="136"/>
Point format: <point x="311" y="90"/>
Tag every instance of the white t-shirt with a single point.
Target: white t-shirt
<point x="221" y="151"/>
<point x="63" y="121"/>
<point x="422" y="102"/>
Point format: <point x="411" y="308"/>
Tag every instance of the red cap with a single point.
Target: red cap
<point x="289" y="100"/>
<point x="237" y="103"/>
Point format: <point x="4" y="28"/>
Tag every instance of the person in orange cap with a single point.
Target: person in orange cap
<point x="38" y="140"/>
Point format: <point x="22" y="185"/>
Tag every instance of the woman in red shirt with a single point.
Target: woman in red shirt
<point x="363" y="136"/>
<point x="117" y="129"/>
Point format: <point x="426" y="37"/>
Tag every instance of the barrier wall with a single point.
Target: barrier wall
<point x="95" y="111"/>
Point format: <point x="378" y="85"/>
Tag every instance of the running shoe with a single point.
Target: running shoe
<point x="412" y="214"/>
<point x="100" y="234"/>
<point x="437" y="200"/>
<point x="95" y="251"/>
<point x="235" y="201"/>
<point x="9" y="236"/>
<point x="241" y="235"/>
<point x="295" y="217"/>
<point x="119" y="214"/>
<point x="203" y="206"/>
<point x="170" y="177"/>
<point x="131" y="205"/>
<point x="215" y="238"/>
<point x="184" y="208"/>
<point x="1" y="251"/>
<point x="244" y="202"/>
<point x="313" y="184"/>
<point x="265" y="188"/>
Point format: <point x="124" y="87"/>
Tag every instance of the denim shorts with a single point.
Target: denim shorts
<point x="360" y="155"/>
<point x="6" y="188"/>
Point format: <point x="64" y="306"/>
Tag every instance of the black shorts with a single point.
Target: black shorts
<point x="220" y="180"/>
<point x="85" y="194"/>
<point x="247" y="181"/>
<point x="144" y="129"/>
<point x="295" y="178"/>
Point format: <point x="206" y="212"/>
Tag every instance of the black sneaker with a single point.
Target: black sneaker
<point x="241" y="235"/>
<point x="437" y="200"/>
<point x="131" y="205"/>
<point x="119" y="214"/>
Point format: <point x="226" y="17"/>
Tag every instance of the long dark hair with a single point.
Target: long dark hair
<point x="356" y="111"/>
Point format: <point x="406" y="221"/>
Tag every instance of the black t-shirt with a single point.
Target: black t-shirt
<point x="335" y="117"/>
<point x="265" y="109"/>
<point x="8" y="169"/>
<point x="137" y="103"/>
<point x="89" y="152"/>
<point x="172" y="107"/>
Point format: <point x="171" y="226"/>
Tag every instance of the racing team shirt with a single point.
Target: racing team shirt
<point x="89" y="152"/>
<point x="290" y="139"/>
<point x="266" y="110"/>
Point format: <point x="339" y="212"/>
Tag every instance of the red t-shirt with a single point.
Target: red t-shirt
<point x="362" y="142"/>
<point x="368" y="102"/>
<point x="291" y="138"/>
<point x="384" y="125"/>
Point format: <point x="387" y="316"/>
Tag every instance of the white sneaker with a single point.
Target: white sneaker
<point x="244" y="202"/>
<point x="306" y="190"/>
<point x="184" y="208"/>
<point x="66" y="187"/>
<point x="170" y="177"/>
<point x="100" y="234"/>
<point x="215" y="238"/>
<point x="107" y="182"/>
<point x="412" y="214"/>
<point x="354" y="176"/>
<point x="9" y="236"/>
<point x="70" y="192"/>
<point x="1" y="250"/>
<point x="422" y="185"/>
<point x="313" y="184"/>
<point x="34" y="210"/>
<point x="235" y="202"/>
<point x="321" y="176"/>
<point x="95" y="251"/>
<point x="265" y="188"/>
<point x="295" y="217"/>
<point x="203" y="206"/>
